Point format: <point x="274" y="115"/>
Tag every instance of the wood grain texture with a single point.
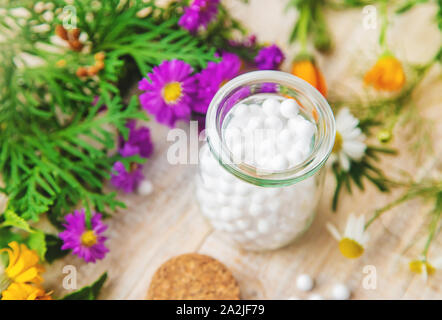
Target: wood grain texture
<point x="168" y="222"/>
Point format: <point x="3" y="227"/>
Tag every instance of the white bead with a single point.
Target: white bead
<point x="279" y="163"/>
<point x="226" y="214"/>
<point x="304" y="128"/>
<point x="270" y="106"/>
<point x="232" y="135"/>
<point x="238" y="201"/>
<point x="315" y="296"/>
<point x="242" y="224"/>
<point x="285" y="140"/>
<point x="251" y="234"/>
<point x="273" y="205"/>
<point x="145" y="188"/>
<point x="341" y="292"/>
<point x="289" y="108"/>
<point x="304" y="282"/>
<point x="293" y="298"/>
<point x="222" y="199"/>
<point x="295" y="157"/>
<point x="256" y="209"/>
<point x="225" y="187"/>
<point x="254" y="123"/>
<point x="273" y="123"/>
<point x="263" y="226"/>
<point x="255" y="110"/>
<point x="241" y="110"/>
<point x="242" y="188"/>
<point x="229" y="227"/>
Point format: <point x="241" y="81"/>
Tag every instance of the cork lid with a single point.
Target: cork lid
<point x="193" y="277"/>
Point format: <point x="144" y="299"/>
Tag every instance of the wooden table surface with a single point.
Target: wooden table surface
<point x="168" y="222"/>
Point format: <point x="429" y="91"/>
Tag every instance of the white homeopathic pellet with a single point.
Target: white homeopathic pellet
<point x="289" y="108"/>
<point x="272" y="140"/>
<point x="145" y="188"/>
<point x="271" y="106"/>
<point x="341" y="292"/>
<point x="304" y="282"/>
<point x="315" y="296"/>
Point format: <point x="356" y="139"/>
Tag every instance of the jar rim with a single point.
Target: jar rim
<point x="321" y="151"/>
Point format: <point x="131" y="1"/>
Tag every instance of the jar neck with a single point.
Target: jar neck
<point x="314" y="107"/>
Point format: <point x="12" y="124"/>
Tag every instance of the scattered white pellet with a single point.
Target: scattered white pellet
<point x="341" y="292"/>
<point x="293" y="298"/>
<point x="145" y="188"/>
<point x="271" y="107"/>
<point x="304" y="282"/>
<point x="315" y="296"/>
<point x="289" y="108"/>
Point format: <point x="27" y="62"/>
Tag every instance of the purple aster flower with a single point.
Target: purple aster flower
<point x="168" y="92"/>
<point x="199" y="14"/>
<point x="214" y="77"/>
<point x="139" y="142"/>
<point x="85" y="243"/>
<point x="126" y="180"/>
<point x="269" y="58"/>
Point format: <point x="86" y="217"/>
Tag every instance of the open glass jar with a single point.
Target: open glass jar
<point x="250" y="183"/>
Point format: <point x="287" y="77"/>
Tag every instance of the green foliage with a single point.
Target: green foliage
<point x="55" y="143"/>
<point x="53" y="248"/>
<point x="89" y="292"/>
<point x="359" y="171"/>
<point x="36" y="241"/>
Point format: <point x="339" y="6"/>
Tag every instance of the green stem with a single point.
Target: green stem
<point x="384" y="26"/>
<point x="304" y="20"/>
<point x="382" y="210"/>
<point x="433" y="227"/>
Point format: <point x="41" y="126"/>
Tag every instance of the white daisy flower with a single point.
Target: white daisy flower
<point x="423" y="267"/>
<point x="352" y="242"/>
<point x="349" y="142"/>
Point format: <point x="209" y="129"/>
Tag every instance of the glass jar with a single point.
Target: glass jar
<point x="262" y="209"/>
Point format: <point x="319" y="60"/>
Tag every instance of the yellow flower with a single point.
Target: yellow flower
<point x="387" y="74"/>
<point x="308" y="71"/>
<point x="425" y="268"/>
<point x="23" y="291"/>
<point x="352" y="243"/>
<point x="23" y="264"/>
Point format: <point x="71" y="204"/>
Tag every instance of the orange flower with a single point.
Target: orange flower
<point x="308" y="71"/>
<point x="22" y="291"/>
<point x="387" y="74"/>
<point x="23" y="264"/>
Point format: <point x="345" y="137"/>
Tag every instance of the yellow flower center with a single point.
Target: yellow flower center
<point x="338" y="143"/>
<point x="88" y="238"/>
<point x="417" y="266"/>
<point x="172" y="92"/>
<point x="350" y="248"/>
<point x="61" y="63"/>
